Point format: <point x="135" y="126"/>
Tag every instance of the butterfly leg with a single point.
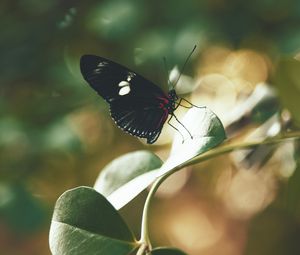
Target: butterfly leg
<point x="188" y="107"/>
<point x="192" y="105"/>
<point x="175" y="128"/>
<point x="182" y="125"/>
<point x="178" y="104"/>
<point x="184" y="106"/>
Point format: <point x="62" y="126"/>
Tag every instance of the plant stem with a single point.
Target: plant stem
<point x="225" y="148"/>
<point x="144" y="232"/>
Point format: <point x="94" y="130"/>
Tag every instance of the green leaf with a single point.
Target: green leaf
<point x="124" y="169"/>
<point x="84" y="222"/>
<point x="125" y="177"/>
<point x="287" y="82"/>
<point x="207" y="131"/>
<point x="130" y="190"/>
<point x="167" y="251"/>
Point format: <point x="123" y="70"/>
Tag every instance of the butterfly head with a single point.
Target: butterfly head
<point x="172" y="100"/>
<point x="172" y="95"/>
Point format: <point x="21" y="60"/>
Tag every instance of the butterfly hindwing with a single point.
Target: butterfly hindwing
<point x="139" y="118"/>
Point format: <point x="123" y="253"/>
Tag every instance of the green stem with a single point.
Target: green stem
<point x="225" y="148"/>
<point x="144" y="231"/>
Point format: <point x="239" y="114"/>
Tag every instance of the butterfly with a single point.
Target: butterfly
<point x="138" y="106"/>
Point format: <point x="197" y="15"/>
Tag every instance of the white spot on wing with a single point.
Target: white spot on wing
<point x="124" y="90"/>
<point x="130" y="75"/>
<point x="124" y="83"/>
<point x="102" y="64"/>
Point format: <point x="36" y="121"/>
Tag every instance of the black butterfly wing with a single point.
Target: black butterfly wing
<point x="113" y="81"/>
<point x="136" y="104"/>
<point x="138" y="117"/>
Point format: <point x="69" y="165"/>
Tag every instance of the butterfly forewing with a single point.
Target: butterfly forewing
<point x="109" y="79"/>
<point x="136" y="104"/>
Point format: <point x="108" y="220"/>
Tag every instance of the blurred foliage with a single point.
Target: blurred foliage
<point x="15" y="199"/>
<point x="55" y="133"/>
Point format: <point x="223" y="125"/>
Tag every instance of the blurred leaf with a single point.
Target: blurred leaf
<point x="207" y="131"/>
<point x="287" y="82"/>
<point x="167" y="251"/>
<point x="152" y="45"/>
<point x="196" y="32"/>
<point x="258" y="107"/>
<point x="265" y="109"/>
<point x="84" y="222"/>
<point x="15" y="199"/>
<point x="11" y="132"/>
<point x="289" y="39"/>
<point x="127" y="176"/>
<point x="61" y="136"/>
<point x="114" y="20"/>
<point x="68" y="18"/>
<point x="258" y="156"/>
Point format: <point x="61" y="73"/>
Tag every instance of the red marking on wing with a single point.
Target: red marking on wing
<point x="163" y="117"/>
<point x="164" y="99"/>
<point x="162" y="105"/>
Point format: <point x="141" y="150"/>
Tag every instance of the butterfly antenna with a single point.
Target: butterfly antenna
<point x="166" y="69"/>
<point x="182" y="69"/>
